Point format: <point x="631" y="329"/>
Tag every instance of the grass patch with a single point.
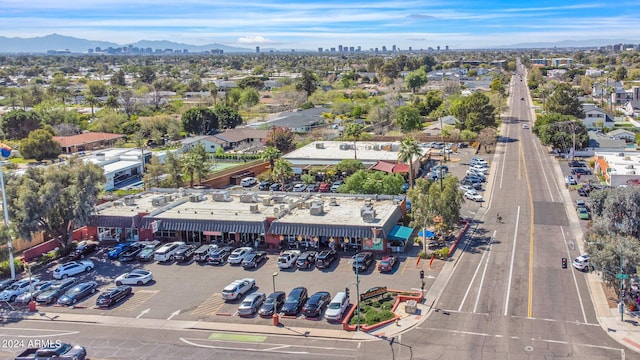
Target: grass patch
<point x="375" y="310"/>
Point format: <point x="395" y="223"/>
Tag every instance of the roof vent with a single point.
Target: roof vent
<point x="249" y="197"/>
<point x="254" y="209"/>
<point x="129" y="201"/>
<point x="333" y="202"/>
<point x="369" y="215"/>
<point x="158" y="201"/>
<point x="221" y="196"/>
<point x="317" y="208"/>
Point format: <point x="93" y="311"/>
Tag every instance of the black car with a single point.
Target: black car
<point x="264" y="185"/>
<point x="83" y="249"/>
<point x="306" y="260"/>
<point x="219" y="256"/>
<point x="583" y="192"/>
<point x="112" y="296"/>
<point x="55" y="291"/>
<point x="6" y="283"/>
<point x="272" y="304"/>
<point x="296" y="299"/>
<point x="325" y="258"/>
<point x="316" y="304"/>
<point x="184" y="253"/>
<point x="576" y="163"/>
<point x="253" y="259"/>
<point x="580" y="171"/>
<point x="131" y="253"/>
<point x="362" y="261"/>
<point x="78" y="293"/>
<point x="275" y="187"/>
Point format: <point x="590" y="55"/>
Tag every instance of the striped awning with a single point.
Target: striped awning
<point x="115" y="221"/>
<point x="249" y="227"/>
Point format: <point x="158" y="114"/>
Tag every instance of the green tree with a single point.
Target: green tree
<point x="416" y="79"/>
<point x="228" y="118"/>
<point x="473" y="112"/>
<point x="408" y="118"/>
<point x="39" y="145"/>
<point x="96" y="88"/>
<point x="281" y="171"/>
<point x="432" y="100"/>
<point x="251" y="82"/>
<point x="173" y="167"/>
<point x="497" y="85"/>
<point x="195" y="163"/>
<point x="17" y="124"/>
<point x="620" y="74"/>
<point x="349" y="166"/>
<point x="153" y="174"/>
<point x="118" y="78"/>
<point x="307" y="82"/>
<point x="373" y="182"/>
<point x="558" y="131"/>
<point x="270" y="154"/>
<point x="564" y="100"/>
<point x="56" y="199"/>
<point x="200" y="120"/>
<point x="92" y="101"/>
<point x="147" y="74"/>
<point x="281" y="138"/>
<point x="409" y="151"/>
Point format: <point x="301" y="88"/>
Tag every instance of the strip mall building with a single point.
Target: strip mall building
<point x="367" y="222"/>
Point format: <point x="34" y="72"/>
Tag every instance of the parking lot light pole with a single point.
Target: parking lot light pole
<point x="273" y="277"/>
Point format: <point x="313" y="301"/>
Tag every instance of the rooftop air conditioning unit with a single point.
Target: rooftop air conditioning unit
<point x="316" y="209"/>
<point x="194" y="198"/>
<point x="276" y="211"/>
<point x="253" y="208"/>
<point x="158" y="201"/>
<point x="376" y="147"/>
<point x="279" y="199"/>
<point x="118" y="203"/>
<point x="266" y="201"/>
<point x="365" y="209"/>
<point x="629" y="166"/>
<point x="333" y="202"/>
<point x="129" y="201"/>
<point x="249" y="197"/>
<point x="221" y="196"/>
<point x="369" y="216"/>
<point x="344" y="146"/>
<point x="319" y="145"/>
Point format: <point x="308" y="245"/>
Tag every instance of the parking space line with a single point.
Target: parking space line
<point x="209" y="306"/>
<point x="139" y="297"/>
<point x="406" y="264"/>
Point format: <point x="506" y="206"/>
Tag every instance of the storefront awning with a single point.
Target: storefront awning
<point x="400" y="233"/>
<point x="115" y="221"/>
<point x="426" y="233"/>
<point x="249" y="227"/>
<point x="326" y="230"/>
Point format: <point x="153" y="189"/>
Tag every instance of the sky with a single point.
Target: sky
<point x="287" y="24"/>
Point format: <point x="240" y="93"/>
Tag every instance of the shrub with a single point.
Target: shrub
<point x="424" y="255"/>
<point x="5" y="269"/>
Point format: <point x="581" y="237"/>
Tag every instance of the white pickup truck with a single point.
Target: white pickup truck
<point x="288" y="259"/>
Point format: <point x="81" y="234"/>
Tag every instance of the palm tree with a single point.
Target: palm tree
<point x="409" y="150"/>
<point x="91" y="101"/>
<point x="196" y="164"/>
<point x="270" y="154"/>
<point x="353" y="131"/>
<point x="281" y="171"/>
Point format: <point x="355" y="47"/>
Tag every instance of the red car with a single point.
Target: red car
<point x="324" y="187"/>
<point x="387" y="263"/>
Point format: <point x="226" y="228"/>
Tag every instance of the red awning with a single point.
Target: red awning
<point x="391" y="167"/>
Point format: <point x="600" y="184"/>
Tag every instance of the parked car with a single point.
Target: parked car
<point x="238" y="288"/>
<point x="325" y="258"/>
<point x="248" y="182"/>
<point x="184" y="253"/>
<point x="581" y="262"/>
<point x="576" y="163"/>
<point x="387" y="263"/>
<point x="56" y="350"/>
<point x="583" y="213"/>
<point x="336" y="185"/>
<point x="251" y="304"/>
<point x="135" y="277"/>
<point x="570" y="180"/>
<point x="288" y="187"/>
<point x="312" y="188"/>
<point x="56" y="290"/>
<point x="219" y="256"/>
<point x="484" y="170"/>
<point x="475" y="174"/>
<point x="6" y="283"/>
<point x="112" y="296"/>
<point x="294" y="302"/>
<point x="299" y="187"/>
<point x="525" y="126"/>
<point x="272" y="304"/>
<point x="264" y="185"/>
<point x="316" y="304"/>
<point x="167" y="251"/>
<point x="275" y="187"/>
<point x="237" y="255"/>
<point x="78" y="293"/>
<point x="337" y="307"/>
<point x="115" y="251"/>
<point x="38" y="289"/>
<point x="474" y="196"/>
<point x="254" y="259"/>
<point x="17" y="288"/>
<point x="83" y="249"/>
<point x="324" y="187"/>
<point x="583" y="191"/>
<point x="287" y="259"/>
<point x="131" y="253"/>
<point x="203" y="251"/>
<point x="306" y="260"/>
<point x="581" y="203"/>
<point x="72" y="268"/>
<point x="148" y="251"/>
<point x="362" y="261"/>
<point x="439" y="168"/>
<point x="580" y="171"/>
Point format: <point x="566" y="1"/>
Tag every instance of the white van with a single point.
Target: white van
<point x="248" y="182"/>
<point x="337" y="307"/>
<point x="167" y="251"/>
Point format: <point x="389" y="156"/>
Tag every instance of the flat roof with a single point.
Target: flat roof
<point x="626" y="164"/>
<point x="332" y="152"/>
<point x="120" y="165"/>
<point x="141" y="203"/>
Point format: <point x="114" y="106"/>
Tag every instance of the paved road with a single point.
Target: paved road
<point x="509" y="296"/>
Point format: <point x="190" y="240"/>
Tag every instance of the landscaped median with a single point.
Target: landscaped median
<point x="378" y="308"/>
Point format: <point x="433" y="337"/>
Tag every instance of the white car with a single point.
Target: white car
<point x="238" y="288"/>
<point x="468" y="188"/>
<point x="484" y="170"/>
<point x="71" y="268"/>
<point x="471" y="196"/>
<point x="238" y="255"/>
<point x="288" y="259"/>
<point x="337" y="307"/>
<point x="478" y="174"/>
<point x="38" y="288"/>
<point x="525" y="126"/>
<point x="134" y="277"/>
<point x="581" y="262"/>
<point x="248" y="182"/>
<point x="16" y="289"/>
<point x="299" y="188"/>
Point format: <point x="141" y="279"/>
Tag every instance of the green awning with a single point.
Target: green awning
<point x="400" y="233"/>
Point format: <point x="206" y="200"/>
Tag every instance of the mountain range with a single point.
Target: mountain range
<point x="77" y="45"/>
<point x="41" y="44"/>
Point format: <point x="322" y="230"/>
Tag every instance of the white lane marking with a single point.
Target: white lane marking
<point x="503" y="158"/>
<point x="277" y="347"/>
<point x="575" y="281"/>
<point x="173" y="314"/>
<point x="189" y="342"/>
<point x="543" y="168"/>
<point x="143" y="312"/>
<point x="40" y="335"/>
<point x="513" y="255"/>
<point x="484" y="272"/>
<point x="473" y="278"/>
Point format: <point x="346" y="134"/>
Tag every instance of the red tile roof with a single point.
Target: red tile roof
<point x="86" y="138"/>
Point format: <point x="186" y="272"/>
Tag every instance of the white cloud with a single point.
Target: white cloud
<point x="254" y="40"/>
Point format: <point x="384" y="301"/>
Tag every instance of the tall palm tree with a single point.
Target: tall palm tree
<point x="270" y="154"/>
<point x="281" y="171"/>
<point x="409" y="150"/>
<point x="91" y="101"/>
<point x="353" y="131"/>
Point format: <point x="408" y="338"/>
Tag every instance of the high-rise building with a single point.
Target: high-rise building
<point x="333" y="49"/>
<point x="352" y="49"/>
<point x="319" y="49"/>
<point x="394" y="48"/>
<point x="384" y="48"/>
<point x="446" y="47"/>
<point x="359" y="48"/>
<point x="339" y="48"/>
<point x="257" y="49"/>
<point x="410" y="49"/>
<point x="438" y="47"/>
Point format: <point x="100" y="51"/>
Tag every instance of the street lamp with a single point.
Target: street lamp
<point x="273" y="277"/>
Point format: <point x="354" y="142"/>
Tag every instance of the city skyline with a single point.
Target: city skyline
<point x="311" y="25"/>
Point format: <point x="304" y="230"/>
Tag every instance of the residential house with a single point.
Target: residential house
<point x="603" y="142"/>
<point x="232" y="139"/>
<point x="210" y="143"/>
<point x="595" y="117"/>
<point x="87" y="141"/>
<point x="300" y="121"/>
<point x="622" y="134"/>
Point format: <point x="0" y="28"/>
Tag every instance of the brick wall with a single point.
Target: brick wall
<point x="223" y="178"/>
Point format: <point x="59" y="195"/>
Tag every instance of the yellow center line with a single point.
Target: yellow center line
<point x="530" y="296"/>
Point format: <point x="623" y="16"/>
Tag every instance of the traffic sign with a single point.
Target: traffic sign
<point x="622" y="276"/>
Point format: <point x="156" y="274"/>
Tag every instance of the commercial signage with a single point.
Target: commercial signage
<point x="373" y="292"/>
